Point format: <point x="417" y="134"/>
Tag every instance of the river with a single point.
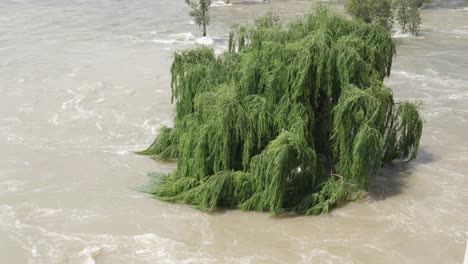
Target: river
<point x="84" y="83"/>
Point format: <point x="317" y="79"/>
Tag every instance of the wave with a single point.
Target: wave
<point x="433" y="76"/>
<point x="220" y="3"/>
<point x="459" y="33"/>
<point x="184" y="38"/>
<point x="46" y="246"/>
<point x="75" y="108"/>
<point x="204" y="41"/>
<point x="401" y="34"/>
<point x="11" y="185"/>
<point x="90" y="253"/>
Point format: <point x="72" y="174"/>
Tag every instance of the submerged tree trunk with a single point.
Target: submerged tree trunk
<point x="288" y="119"/>
<point x="404" y="18"/>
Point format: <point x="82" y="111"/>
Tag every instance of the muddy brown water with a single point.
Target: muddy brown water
<point x="83" y="83"/>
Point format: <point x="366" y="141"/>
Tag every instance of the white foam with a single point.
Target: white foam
<point x="36" y="211"/>
<point x="14" y="139"/>
<point x="54" y="120"/>
<point x="164" y="41"/>
<point x="123" y="152"/>
<point x="98" y="125"/>
<point x="90" y="253"/>
<point x="48" y="246"/>
<point x="400" y="34"/>
<point x="460" y="32"/>
<point x="204" y="41"/>
<point x="34" y="251"/>
<point x="73" y="72"/>
<point x="462" y="9"/>
<point x="12" y="185"/>
<point x="25" y="108"/>
<point x="74" y="108"/>
<point x="179" y="38"/>
<point x="185" y="36"/>
<point x="433" y="77"/>
<point x="220" y="3"/>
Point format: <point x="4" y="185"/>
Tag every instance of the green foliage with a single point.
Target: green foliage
<point x="414" y="19"/>
<point x="290" y="118"/>
<point x="369" y="11"/>
<point x="331" y="193"/>
<point x="164" y="147"/>
<point x="408" y="15"/>
<point x="200" y="13"/>
<point x="402" y="8"/>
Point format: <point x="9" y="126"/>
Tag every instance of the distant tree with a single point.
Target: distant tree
<point x="407" y="14"/>
<point x="402" y="8"/>
<point x="200" y="12"/>
<point x="371" y="11"/>
<point x="414" y="19"/>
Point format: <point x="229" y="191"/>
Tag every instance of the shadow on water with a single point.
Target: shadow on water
<point x="393" y="178"/>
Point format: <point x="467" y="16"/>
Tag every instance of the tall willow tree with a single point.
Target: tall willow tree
<point x="289" y="119"/>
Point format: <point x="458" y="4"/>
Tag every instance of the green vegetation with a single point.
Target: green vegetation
<point x="407" y="14"/>
<point x="371" y="11"/>
<point x="289" y="119"/>
<point x="382" y="12"/>
<point x="200" y="13"/>
<point x="414" y="19"/>
<point x="402" y="8"/>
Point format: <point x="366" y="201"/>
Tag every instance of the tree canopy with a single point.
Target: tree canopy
<point x="290" y="118"/>
<point x="371" y="11"/>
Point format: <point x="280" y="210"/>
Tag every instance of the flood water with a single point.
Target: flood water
<point x="84" y="83"/>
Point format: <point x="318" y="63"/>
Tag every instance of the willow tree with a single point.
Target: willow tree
<point x="200" y="12"/>
<point x="289" y="119"/>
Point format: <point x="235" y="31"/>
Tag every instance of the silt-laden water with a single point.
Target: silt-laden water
<point x="83" y="83"/>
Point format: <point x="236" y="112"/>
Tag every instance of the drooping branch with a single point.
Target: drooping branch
<point x="289" y="118"/>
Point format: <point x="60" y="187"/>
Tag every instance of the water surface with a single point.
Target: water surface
<point x="83" y="83"/>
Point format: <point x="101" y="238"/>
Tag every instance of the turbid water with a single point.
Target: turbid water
<point x="83" y="83"/>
